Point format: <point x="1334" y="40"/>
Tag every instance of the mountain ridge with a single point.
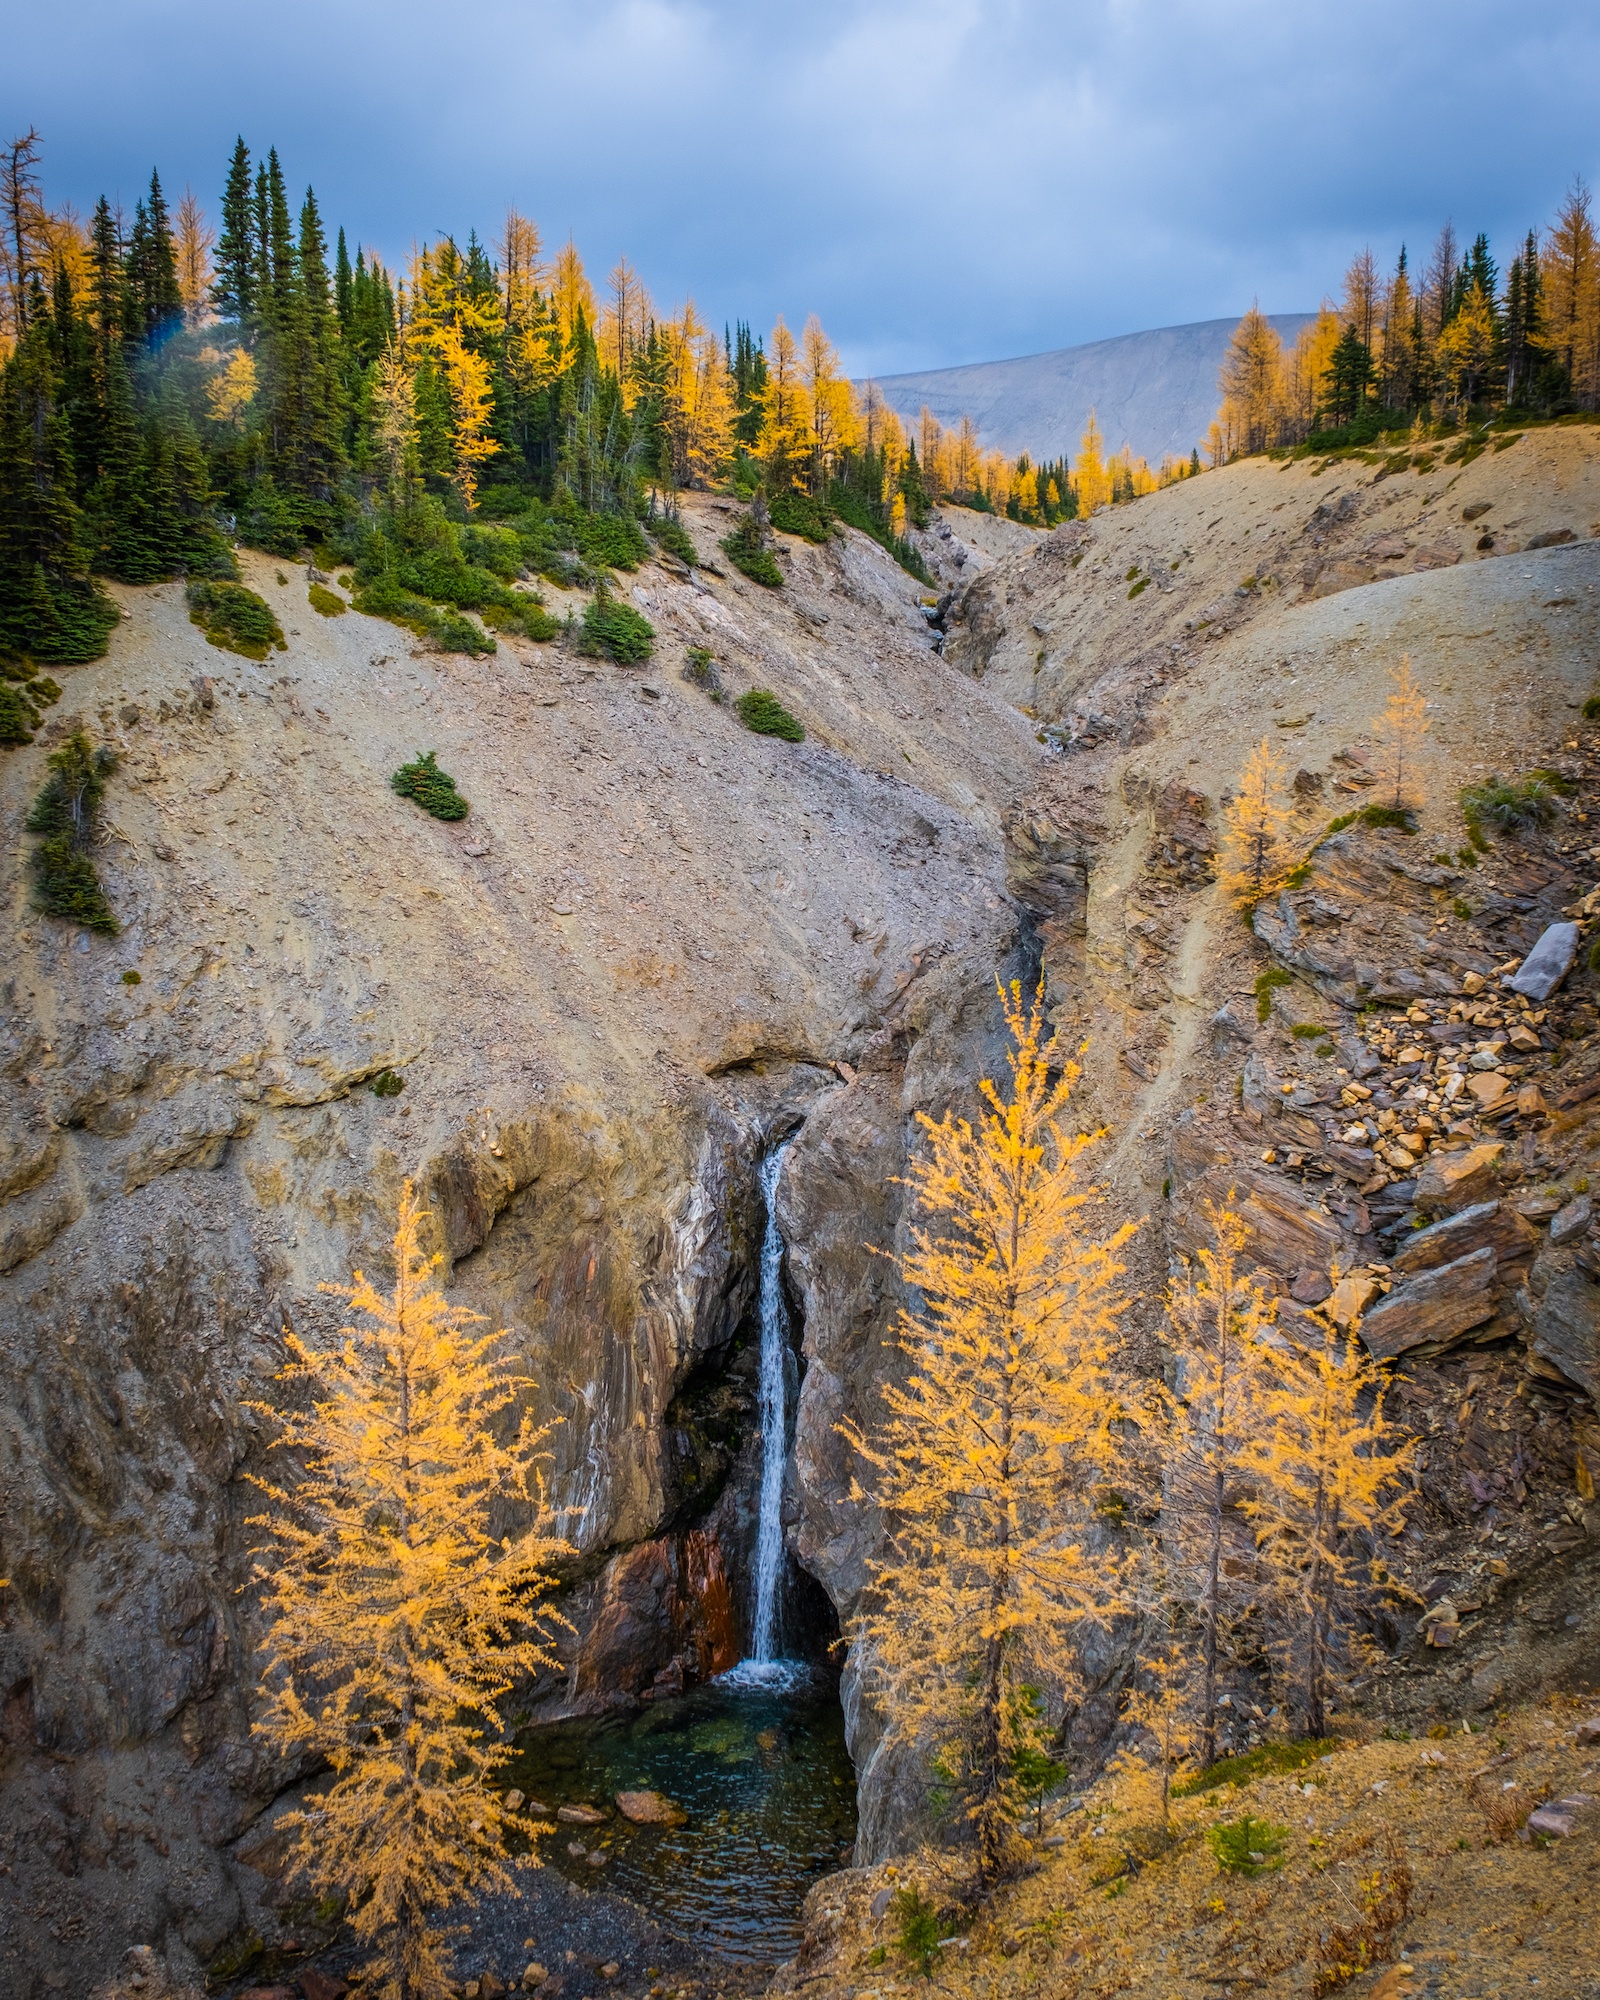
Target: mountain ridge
<point x="1156" y="390"/>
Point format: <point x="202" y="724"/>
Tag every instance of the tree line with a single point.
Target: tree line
<point x="170" y="385"/>
<point x="1462" y="341"/>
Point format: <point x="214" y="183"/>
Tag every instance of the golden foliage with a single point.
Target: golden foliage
<point x="396" y="1618"/>
<point x="471" y="406"/>
<point x="1252" y="383"/>
<point x="698" y="401"/>
<point x="1216" y="1318"/>
<point x="1093" y="481"/>
<point x="784" y="441"/>
<point x="232" y="389"/>
<point x="1329" y="1466"/>
<point x="395" y="416"/>
<point x="989" y="1453"/>
<point x="195" y="241"/>
<point x="1400" y="730"/>
<point x="1164" y="1710"/>
<point x="1257" y="854"/>
<point x="570" y="291"/>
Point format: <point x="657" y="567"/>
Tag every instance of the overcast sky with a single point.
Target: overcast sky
<point x="942" y="180"/>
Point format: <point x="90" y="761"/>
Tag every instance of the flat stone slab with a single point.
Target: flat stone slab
<point x="1434" y="1308"/>
<point x="1566" y="1328"/>
<point x="1544" y="968"/>
<point x="1457" y="1180"/>
<point x="1491" y="1223"/>
<point x="1558" y="1818"/>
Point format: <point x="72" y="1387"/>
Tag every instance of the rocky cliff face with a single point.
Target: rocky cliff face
<point x="656" y="942"/>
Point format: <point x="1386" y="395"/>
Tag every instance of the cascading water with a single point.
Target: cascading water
<point x="773" y="1407"/>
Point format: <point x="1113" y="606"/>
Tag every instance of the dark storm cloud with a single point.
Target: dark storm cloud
<point x="942" y="180"/>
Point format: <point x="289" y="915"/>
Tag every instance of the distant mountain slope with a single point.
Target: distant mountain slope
<point x="1156" y="391"/>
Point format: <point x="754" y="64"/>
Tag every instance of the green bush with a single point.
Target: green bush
<point x="327" y="602"/>
<point x="1247" y="1846"/>
<point x="747" y="552"/>
<point x="761" y="711"/>
<point x="1401" y="818"/>
<point x="528" y="616"/>
<point x="389" y="1082"/>
<point x="853" y="507"/>
<point x="235" y="618"/>
<point x="1591" y="708"/>
<point x="1266" y="1760"/>
<point x="673" y="536"/>
<point x="798" y="513"/>
<point x="22" y="696"/>
<point x="1273" y="976"/>
<point x="615" y="631"/>
<point x="453" y="632"/>
<point x="427" y="786"/>
<point x="609" y="540"/>
<point x="1512" y="805"/>
<point x="916" y="1928"/>
<point x="66" y="815"/>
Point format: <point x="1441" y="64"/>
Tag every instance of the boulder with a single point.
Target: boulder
<point x="651" y="1809"/>
<point x="1558" y="1818"/>
<point x="1565" y="1328"/>
<point x="1350" y="1299"/>
<point x="1488" y="1088"/>
<point x="1572" y="1219"/>
<point x="1494" y="1223"/>
<point x="1455" y="1180"/>
<point x="1433" y="1309"/>
<point x="1544" y="968"/>
<point x="581" y="1815"/>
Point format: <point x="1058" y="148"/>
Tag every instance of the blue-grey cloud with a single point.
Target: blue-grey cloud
<point x="942" y="180"/>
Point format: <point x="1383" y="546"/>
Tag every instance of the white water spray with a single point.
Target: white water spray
<point x="772" y="1403"/>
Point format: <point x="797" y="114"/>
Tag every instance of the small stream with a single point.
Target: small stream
<point x="756" y="1759"/>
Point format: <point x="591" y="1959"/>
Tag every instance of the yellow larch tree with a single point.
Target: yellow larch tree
<point x="1330" y="1472"/>
<point x="625" y="322"/>
<point x="394" y="408"/>
<point x="1089" y="476"/>
<point x="989" y="1456"/>
<point x="570" y="291"/>
<point x="966" y="459"/>
<point x="1465" y="351"/>
<point x="195" y="240"/>
<point x="1163" y="1707"/>
<point x="1569" y="278"/>
<point x="698" y="400"/>
<point x="1252" y="383"/>
<point x="1401" y="731"/>
<point x="471" y="387"/>
<point x="835" y="424"/>
<point x="784" y="440"/>
<point x="1257" y="854"/>
<point x="1304" y="368"/>
<point x="1216" y="1316"/>
<point x="399" y="1609"/>
<point x="521" y="274"/>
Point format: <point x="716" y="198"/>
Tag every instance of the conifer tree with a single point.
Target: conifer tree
<point x="1328" y="1466"/>
<point x="1091" y="480"/>
<point x="1401" y="730"/>
<point x="1252" y="383"/>
<point x="1163" y="1707"/>
<point x="154" y="295"/>
<point x="1216" y="1316"/>
<point x="399" y="1611"/>
<point x="233" y="288"/>
<point x="1257" y="855"/>
<point x="990" y="1451"/>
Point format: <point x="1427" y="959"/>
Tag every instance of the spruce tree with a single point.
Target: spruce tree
<point x="233" y="291"/>
<point x="155" y="297"/>
<point x="50" y="609"/>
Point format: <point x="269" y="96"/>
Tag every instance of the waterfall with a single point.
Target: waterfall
<point x="774" y="1420"/>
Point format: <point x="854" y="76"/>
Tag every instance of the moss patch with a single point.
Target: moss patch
<point x="235" y="618"/>
<point x="327" y="602"/>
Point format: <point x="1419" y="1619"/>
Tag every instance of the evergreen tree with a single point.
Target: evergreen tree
<point x="233" y="291"/>
<point x="50" y="609"/>
<point x="155" y="298"/>
<point x="1348" y="378"/>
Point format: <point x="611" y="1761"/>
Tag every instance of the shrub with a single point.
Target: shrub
<point x="1514" y="805"/>
<point x="326" y="602"/>
<point x="1591" y="708"/>
<point x="1263" y="1761"/>
<point x="1247" y="1846"/>
<point x="609" y="540"/>
<point x="19" y="708"/>
<point x="801" y="514"/>
<point x="1273" y="976"/>
<point x="700" y="670"/>
<point x="916" y="1929"/>
<point x="1401" y="818"/>
<point x="528" y="616"/>
<point x="453" y="632"/>
<point x="235" y="618"/>
<point x="761" y="711"/>
<point x="615" y="631"/>
<point x="673" y="536"/>
<point x="388" y="1082"/>
<point x="434" y="790"/>
<point x="747" y="552"/>
<point x="67" y="816"/>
